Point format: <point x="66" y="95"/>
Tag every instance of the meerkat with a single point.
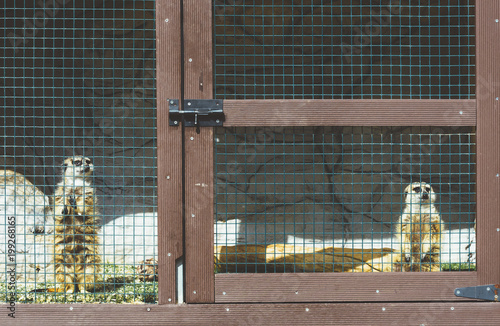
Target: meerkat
<point x="147" y="270"/>
<point x="419" y="231"/>
<point x="76" y="248"/>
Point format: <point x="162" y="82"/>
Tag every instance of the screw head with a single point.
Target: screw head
<point x="166" y="20"/>
<point x="148" y="309"/>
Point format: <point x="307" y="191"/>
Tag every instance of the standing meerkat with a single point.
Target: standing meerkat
<point x="419" y="231"/>
<point x="77" y="258"/>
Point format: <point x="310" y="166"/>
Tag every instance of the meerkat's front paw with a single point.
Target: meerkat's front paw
<point x="72" y="201"/>
<point x="65" y="211"/>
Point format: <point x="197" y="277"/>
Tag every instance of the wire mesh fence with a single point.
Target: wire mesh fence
<point x="78" y="79"/>
<point x="304" y="49"/>
<point x="323" y="199"/>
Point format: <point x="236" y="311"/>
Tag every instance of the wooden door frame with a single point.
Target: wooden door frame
<point x="333" y="287"/>
<point x="169" y="149"/>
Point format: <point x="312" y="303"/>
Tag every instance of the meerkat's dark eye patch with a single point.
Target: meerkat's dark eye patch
<point x="88" y="161"/>
<point x="78" y="163"/>
<point x="428" y="189"/>
<point x="417" y="189"/>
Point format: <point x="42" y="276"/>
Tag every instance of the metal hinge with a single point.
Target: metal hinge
<point x="196" y="113"/>
<point x="483" y="292"/>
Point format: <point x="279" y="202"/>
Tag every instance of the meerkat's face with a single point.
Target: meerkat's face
<point x="78" y="166"/>
<point x="419" y="193"/>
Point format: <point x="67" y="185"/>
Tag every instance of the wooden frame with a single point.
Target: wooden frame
<point x="488" y="138"/>
<point x="349" y="113"/>
<point x="386" y="313"/>
<point x="287" y="292"/>
<point x="169" y="153"/>
<point x="198" y="155"/>
<point x="348" y="287"/>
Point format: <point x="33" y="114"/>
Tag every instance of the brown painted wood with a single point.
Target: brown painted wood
<point x="350" y="112"/>
<point x="341" y="287"/>
<point x="488" y="140"/>
<point x="425" y="313"/>
<point x="169" y="151"/>
<point x="199" y="224"/>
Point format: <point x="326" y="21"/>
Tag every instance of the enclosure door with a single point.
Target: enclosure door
<point x="205" y="284"/>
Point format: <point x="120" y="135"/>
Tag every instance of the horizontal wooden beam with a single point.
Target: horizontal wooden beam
<point x="341" y="287"/>
<point x="422" y="313"/>
<point x="350" y="112"/>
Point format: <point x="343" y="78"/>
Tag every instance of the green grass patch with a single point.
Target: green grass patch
<point x="456" y="267"/>
<point x="121" y="285"/>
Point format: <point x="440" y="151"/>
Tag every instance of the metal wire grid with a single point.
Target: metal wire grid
<point x="78" y="78"/>
<point x="305" y="191"/>
<point x="306" y="49"/>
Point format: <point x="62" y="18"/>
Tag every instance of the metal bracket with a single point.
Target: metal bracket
<point x="196" y="113"/>
<point x="483" y="292"/>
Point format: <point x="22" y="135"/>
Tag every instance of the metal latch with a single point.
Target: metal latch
<point x="196" y="113"/>
<point x="483" y="292"/>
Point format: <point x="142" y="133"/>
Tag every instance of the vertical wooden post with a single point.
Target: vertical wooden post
<point x="199" y="219"/>
<point x="488" y="140"/>
<point x="169" y="144"/>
